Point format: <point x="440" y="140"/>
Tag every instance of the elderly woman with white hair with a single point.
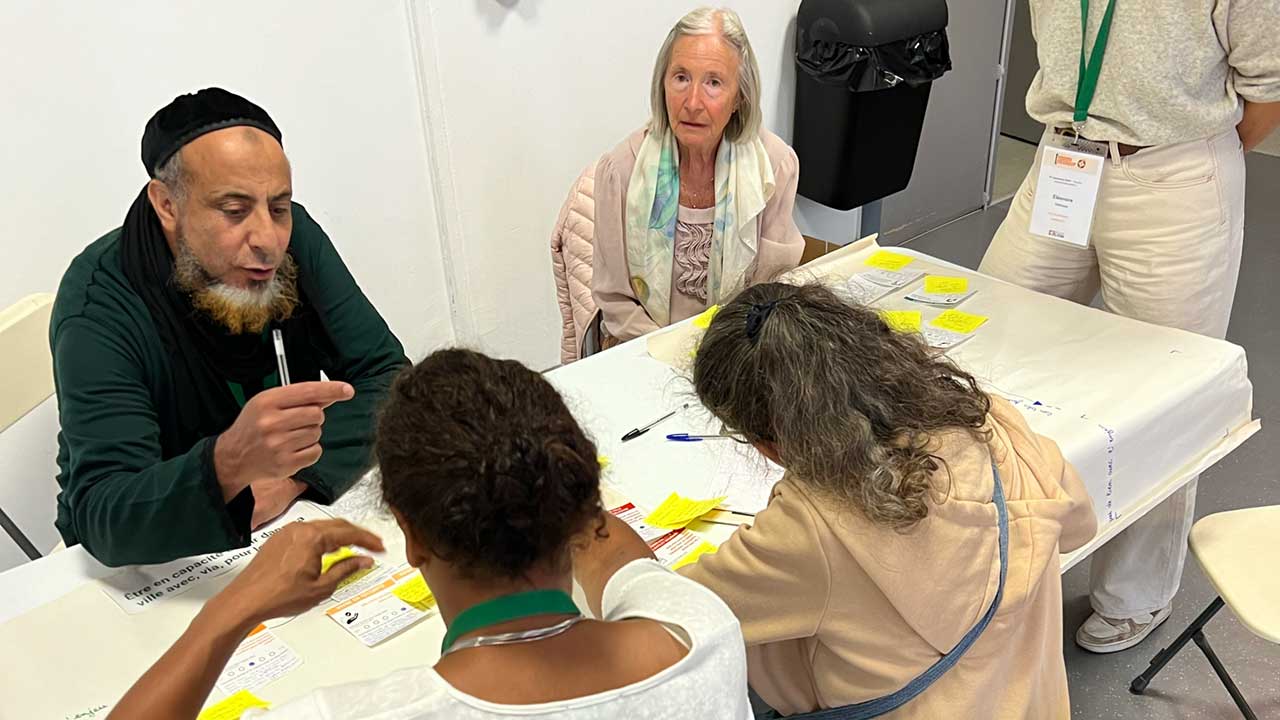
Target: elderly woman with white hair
<point x="697" y="204"/>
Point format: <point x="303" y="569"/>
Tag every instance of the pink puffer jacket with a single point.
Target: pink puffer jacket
<point x="571" y="253"/>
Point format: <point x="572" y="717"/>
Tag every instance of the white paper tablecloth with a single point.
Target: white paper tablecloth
<point x="1138" y="409"/>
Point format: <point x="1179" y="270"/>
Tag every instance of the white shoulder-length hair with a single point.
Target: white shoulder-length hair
<point x="745" y="121"/>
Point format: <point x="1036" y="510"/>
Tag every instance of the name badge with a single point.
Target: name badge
<point x="1067" y="189"/>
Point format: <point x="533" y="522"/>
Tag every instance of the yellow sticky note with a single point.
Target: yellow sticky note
<point x="902" y="320"/>
<point x="694" y="554"/>
<point x="942" y="285"/>
<point x="886" y="260"/>
<point x="704" y="319"/>
<point x="233" y="706"/>
<point x="676" y="511"/>
<point x="959" y="322"/>
<point x="329" y="560"/>
<point x="604" y="462"/>
<point x="415" y="592"/>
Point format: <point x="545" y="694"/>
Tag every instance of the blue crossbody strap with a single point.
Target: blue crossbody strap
<point x="893" y="701"/>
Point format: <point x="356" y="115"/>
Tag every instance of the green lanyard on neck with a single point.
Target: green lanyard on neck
<point x="1088" y="80"/>
<point x="507" y="608"/>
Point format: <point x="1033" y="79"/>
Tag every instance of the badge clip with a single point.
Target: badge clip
<point x="1074" y="132"/>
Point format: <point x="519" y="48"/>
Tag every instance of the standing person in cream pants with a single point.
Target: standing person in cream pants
<point x="1168" y="226"/>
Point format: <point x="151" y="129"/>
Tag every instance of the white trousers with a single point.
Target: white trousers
<point x="1165" y="248"/>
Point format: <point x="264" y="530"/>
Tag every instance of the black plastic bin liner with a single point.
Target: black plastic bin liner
<point x="914" y="61"/>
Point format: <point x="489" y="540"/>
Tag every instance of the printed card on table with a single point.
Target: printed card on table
<point x="376" y="612"/>
<point x="893" y="279"/>
<point x="632" y="516"/>
<point x="861" y="290"/>
<point x="940" y="339"/>
<point x="260" y="659"/>
<point x="672" y="548"/>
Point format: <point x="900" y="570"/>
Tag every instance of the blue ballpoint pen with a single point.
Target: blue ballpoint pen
<point x="686" y="437"/>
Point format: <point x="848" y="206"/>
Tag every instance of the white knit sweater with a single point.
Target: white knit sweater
<point x="1174" y="70"/>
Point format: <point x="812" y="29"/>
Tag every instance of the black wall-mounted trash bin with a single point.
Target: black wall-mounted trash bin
<point x="863" y="73"/>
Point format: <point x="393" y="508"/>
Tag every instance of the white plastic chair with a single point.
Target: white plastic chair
<point x="1238" y="552"/>
<point x="27" y="369"/>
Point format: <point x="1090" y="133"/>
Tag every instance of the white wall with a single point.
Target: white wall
<point x="81" y="79"/>
<point x="522" y="95"/>
<point x="485" y="109"/>
<point x="79" y="82"/>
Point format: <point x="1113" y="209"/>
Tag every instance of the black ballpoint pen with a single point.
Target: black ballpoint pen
<point x="637" y="432"/>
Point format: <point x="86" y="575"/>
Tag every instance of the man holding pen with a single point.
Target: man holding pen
<point x="180" y="433"/>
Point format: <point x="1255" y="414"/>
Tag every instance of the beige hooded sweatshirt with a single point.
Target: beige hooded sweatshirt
<point x="836" y="610"/>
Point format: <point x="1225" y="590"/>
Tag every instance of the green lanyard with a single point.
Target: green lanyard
<point x="1088" y="80"/>
<point x="507" y="608"/>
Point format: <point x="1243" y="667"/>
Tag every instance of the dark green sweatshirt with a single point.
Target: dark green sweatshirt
<point x="133" y="489"/>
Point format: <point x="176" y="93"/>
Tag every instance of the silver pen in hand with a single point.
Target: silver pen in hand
<point x="282" y="363"/>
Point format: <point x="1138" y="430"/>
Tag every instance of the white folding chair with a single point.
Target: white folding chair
<point x="1238" y="551"/>
<point x="27" y="369"/>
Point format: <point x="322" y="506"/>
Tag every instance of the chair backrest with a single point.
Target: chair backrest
<point x="26" y="365"/>
<point x="571" y="255"/>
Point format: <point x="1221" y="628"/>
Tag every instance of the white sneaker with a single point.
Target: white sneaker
<point x="1101" y="634"/>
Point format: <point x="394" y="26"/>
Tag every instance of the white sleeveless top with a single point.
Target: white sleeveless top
<point x="709" y="682"/>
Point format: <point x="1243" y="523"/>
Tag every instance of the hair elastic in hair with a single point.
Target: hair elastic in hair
<point x="756" y="316"/>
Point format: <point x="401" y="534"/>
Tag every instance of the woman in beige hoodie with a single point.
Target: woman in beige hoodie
<point x="880" y="549"/>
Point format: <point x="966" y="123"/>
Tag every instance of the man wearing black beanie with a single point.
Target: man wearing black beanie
<point x="183" y="427"/>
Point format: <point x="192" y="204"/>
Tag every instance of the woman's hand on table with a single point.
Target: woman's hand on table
<point x="284" y="578"/>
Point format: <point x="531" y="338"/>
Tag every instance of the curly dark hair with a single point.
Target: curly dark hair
<point x="486" y="464"/>
<point x="850" y="405"/>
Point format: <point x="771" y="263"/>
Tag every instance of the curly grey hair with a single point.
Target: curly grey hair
<point x="851" y="406"/>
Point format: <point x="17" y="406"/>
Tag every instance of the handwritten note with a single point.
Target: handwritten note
<point x="943" y="285"/>
<point x="958" y="322"/>
<point x="233" y="707"/>
<point x="902" y="320"/>
<point x="415" y="592"/>
<point x="677" y="511"/>
<point x="89" y="713"/>
<point x="702" y="549"/>
<point x="886" y="260"/>
<point x="703" y="320"/>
